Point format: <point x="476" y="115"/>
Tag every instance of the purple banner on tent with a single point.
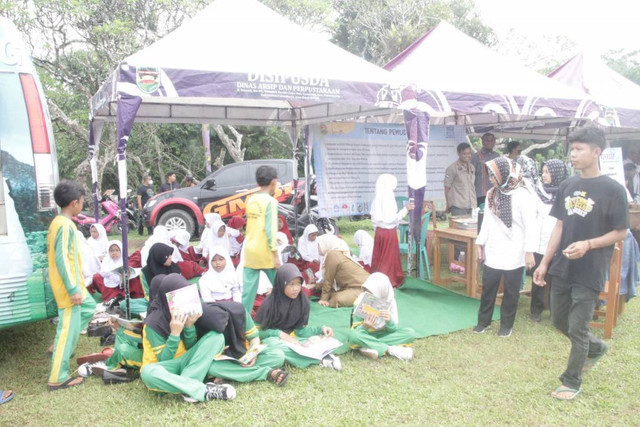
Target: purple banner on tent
<point x="127" y="108"/>
<point x="164" y="82"/>
<point x="417" y="124"/>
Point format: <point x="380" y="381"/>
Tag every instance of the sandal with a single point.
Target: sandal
<point x="95" y="357"/>
<point x="6" y="395"/>
<point x="278" y="376"/>
<point x="67" y="384"/>
<point x="565" y="393"/>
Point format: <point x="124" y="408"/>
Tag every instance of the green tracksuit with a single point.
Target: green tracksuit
<point x="270" y="358"/>
<point x="127" y="350"/>
<point x="272" y="337"/>
<point x="65" y="277"/>
<point x="177" y="366"/>
<point x="361" y="337"/>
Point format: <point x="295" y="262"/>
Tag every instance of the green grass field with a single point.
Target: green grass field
<point x="456" y="379"/>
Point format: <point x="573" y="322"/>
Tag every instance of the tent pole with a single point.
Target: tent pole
<point x="307" y="172"/>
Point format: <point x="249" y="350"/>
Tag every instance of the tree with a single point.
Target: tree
<point x="625" y="63"/>
<point x="378" y="30"/>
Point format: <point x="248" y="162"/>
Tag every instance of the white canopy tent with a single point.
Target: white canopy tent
<point x="477" y="87"/>
<point x="619" y="96"/>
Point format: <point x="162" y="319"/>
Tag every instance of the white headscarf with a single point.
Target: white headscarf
<point x="380" y="286"/>
<point x="308" y="249"/>
<point x="205" y="237"/>
<point x="210" y="218"/>
<point x="214" y="240"/>
<point x="383" y="207"/>
<point x="213" y="284"/>
<point x="365" y="243"/>
<point x="160" y="235"/>
<point x="111" y="278"/>
<point x="181" y="237"/>
<point x="99" y="246"/>
<point x="282" y="241"/>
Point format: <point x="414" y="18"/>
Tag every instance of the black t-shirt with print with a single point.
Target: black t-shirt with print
<point x="588" y="208"/>
<point x="145" y="192"/>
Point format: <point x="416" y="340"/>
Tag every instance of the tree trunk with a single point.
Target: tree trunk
<point x="234" y="146"/>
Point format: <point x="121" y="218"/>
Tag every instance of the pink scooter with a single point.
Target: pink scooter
<point x="110" y="207"/>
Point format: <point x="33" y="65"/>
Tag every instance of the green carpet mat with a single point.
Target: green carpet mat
<point x="427" y="308"/>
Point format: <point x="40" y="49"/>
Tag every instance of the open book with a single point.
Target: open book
<point x="185" y="300"/>
<point x="246" y="358"/>
<point x="370" y="304"/>
<point x="134" y="325"/>
<point x="316" y="347"/>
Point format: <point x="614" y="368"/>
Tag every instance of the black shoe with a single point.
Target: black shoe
<point x="505" y="332"/>
<point x="113" y="302"/>
<point x="98" y="330"/>
<point x="479" y="329"/>
<point x="536" y="317"/>
<point x="115" y="376"/>
<point x="108" y="339"/>
<point x="220" y="392"/>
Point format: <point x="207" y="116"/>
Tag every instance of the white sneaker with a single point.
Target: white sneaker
<point x="369" y="353"/>
<point x="331" y="361"/>
<point x="399" y="352"/>
<point x="87" y="369"/>
<point x="220" y="392"/>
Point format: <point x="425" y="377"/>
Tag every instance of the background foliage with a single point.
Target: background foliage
<point x="76" y="44"/>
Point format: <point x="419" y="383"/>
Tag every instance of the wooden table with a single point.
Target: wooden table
<point x="464" y="237"/>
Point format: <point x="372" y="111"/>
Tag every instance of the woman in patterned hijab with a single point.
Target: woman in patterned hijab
<point x="506" y="176"/>
<point x="554" y="171"/>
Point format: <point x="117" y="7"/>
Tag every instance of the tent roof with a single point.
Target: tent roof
<point x="590" y="74"/>
<point x="237" y="61"/>
<point x="494" y="93"/>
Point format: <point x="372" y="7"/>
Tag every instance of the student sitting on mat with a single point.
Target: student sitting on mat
<point x="109" y="282"/>
<point x="283" y="316"/>
<point x="205" y="238"/>
<point x="93" y="251"/>
<point x="342" y="276"/>
<point x="220" y="282"/>
<point x="241" y="334"/>
<point x="364" y="241"/>
<point x="174" y="360"/>
<point x="376" y="341"/>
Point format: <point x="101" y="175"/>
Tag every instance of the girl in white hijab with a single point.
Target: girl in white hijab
<point x="375" y="339"/>
<point x="365" y="242"/>
<point x="108" y="282"/>
<point x="93" y="251"/>
<point x="205" y="237"/>
<point x="385" y="216"/>
<point x="219" y="236"/>
<point x="220" y="282"/>
<point x="160" y="235"/>
<point x="308" y="246"/>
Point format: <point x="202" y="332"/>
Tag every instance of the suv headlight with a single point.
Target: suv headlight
<point x="150" y="203"/>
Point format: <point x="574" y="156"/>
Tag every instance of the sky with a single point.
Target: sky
<point x="595" y="26"/>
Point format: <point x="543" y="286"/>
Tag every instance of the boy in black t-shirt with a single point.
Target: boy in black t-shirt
<point x="592" y="215"/>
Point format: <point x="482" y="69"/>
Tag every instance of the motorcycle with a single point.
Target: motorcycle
<point x="111" y="219"/>
<point x="325" y="225"/>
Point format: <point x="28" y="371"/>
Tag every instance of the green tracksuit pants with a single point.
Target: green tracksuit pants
<point x="185" y="374"/>
<point x="127" y="350"/>
<point x="270" y="358"/>
<point x="250" y="281"/>
<point x="290" y="356"/>
<point x="380" y="340"/>
<point x="71" y="321"/>
<point x="136" y="305"/>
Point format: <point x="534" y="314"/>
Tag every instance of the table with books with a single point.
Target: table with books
<point x="461" y="232"/>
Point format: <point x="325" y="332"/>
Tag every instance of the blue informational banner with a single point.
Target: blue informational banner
<point x="349" y="157"/>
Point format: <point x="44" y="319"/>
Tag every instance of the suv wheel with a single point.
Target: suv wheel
<point x="178" y="219"/>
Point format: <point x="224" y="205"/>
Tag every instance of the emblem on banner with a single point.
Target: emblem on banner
<point x="148" y="79"/>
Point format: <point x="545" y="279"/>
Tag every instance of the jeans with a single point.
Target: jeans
<point x="141" y="227"/>
<point x="572" y="308"/>
<point x="539" y="294"/>
<point x="490" y="284"/>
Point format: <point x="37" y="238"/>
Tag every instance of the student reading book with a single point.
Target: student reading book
<point x="374" y="341"/>
<point x="283" y="317"/>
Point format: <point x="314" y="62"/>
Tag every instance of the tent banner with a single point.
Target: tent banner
<point x="611" y="164"/>
<point x="348" y="158"/>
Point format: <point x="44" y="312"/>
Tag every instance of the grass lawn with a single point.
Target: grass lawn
<point x="459" y="378"/>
